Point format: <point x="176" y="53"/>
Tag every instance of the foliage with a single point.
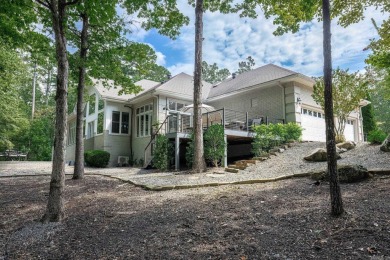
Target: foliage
<point x="214" y="144"/>
<point x="12" y="75"/>
<point x="245" y="66"/>
<point x="38" y="139"/>
<point x="272" y="135"/>
<point x="348" y="90"/>
<point x="262" y="141"/>
<point x="293" y="132"/>
<point x="190" y="151"/>
<point x="212" y="73"/>
<point x="369" y="122"/>
<point x="162" y="153"/>
<point x="97" y="158"/>
<point x="376" y="136"/>
<point x="155" y="72"/>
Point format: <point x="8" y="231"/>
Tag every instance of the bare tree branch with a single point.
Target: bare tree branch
<point x="44" y="3"/>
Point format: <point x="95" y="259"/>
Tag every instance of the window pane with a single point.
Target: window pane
<point x="100" y="123"/>
<point x="138" y="125"/>
<point x="101" y="104"/>
<point x="305" y="111"/>
<point x="179" y="106"/>
<point x="146" y="124"/>
<point x="142" y="109"/>
<point x="319" y="115"/>
<point x="92" y="102"/>
<point x="142" y="122"/>
<point x="310" y="113"/>
<point x="172" y="105"/>
<point x="84" y="126"/>
<point x="115" y="122"/>
<point x="125" y="123"/>
<point x="137" y="110"/>
<point x="315" y="114"/>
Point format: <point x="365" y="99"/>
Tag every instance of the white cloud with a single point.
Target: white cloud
<point x="160" y="58"/>
<point x="230" y="39"/>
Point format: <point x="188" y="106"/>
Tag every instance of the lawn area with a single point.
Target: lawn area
<point x="109" y="219"/>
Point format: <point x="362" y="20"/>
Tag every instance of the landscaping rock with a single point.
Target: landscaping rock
<point x="341" y="150"/>
<point x="231" y="170"/>
<point x="281" y="150"/>
<point x="386" y="144"/>
<point x="319" y="155"/>
<point x="346" y="145"/>
<point x="347" y="174"/>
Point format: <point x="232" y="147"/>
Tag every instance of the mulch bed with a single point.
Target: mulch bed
<point x="108" y="219"/>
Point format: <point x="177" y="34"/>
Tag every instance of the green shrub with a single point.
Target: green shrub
<point x="190" y="151"/>
<point x="214" y="144"/>
<point x="272" y="135"/>
<point x="278" y="132"/>
<point x="263" y="140"/>
<point x="376" y="136"/>
<point x="339" y="139"/>
<point x="97" y="158"/>
<point x="293" y="131"/>
<point x="162" y="153"/>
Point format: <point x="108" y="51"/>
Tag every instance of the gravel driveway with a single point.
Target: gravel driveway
<point x="287" y="163"/>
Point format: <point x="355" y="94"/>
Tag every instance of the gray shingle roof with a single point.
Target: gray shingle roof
<point x="254" y="77"/>
<point x="181" y="84"/>
<point x="113" y="93"/>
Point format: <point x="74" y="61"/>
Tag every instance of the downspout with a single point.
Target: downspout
<point x="131" y="131"/>
<point x="283" y="101"/>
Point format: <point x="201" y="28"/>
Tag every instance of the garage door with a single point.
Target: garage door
<point x="313" y="124"/>
<point x="349" y="131"/>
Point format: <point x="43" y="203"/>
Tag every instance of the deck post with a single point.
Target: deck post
<point x="177" y="152"/>
<point x="247" y="123"/>
<point x="225" y="153"/>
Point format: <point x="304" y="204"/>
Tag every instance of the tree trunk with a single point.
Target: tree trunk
<point x="79" y="154"/>
<point x="55" y="205"/>
<point x="335" y="193"/>
<point x="199" y="164"/>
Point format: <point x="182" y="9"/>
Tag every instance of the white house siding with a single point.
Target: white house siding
<point x="116" y="145"/>
<point x="139" y="143"/>
<point x="269" y="102"/>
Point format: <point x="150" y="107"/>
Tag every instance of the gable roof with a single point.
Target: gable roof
<point x="112" y="92"/>
<point x="181" y="85"/>
<point x="251" y="78"/>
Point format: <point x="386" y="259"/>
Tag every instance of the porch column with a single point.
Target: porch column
<point x="177" y="152"/>
<point x="225" y="154"/>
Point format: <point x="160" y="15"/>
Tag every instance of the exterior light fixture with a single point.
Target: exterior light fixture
<point x="299" y="101"/>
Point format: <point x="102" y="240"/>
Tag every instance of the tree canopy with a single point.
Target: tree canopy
<point x="348" y="90"/>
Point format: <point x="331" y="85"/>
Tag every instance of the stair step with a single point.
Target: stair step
<point x="231" y="170"/>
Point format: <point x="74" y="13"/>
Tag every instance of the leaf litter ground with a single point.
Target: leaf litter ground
<point x="108" y="219"/>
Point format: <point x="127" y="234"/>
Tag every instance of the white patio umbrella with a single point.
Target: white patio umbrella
<point x="190" y="108"/>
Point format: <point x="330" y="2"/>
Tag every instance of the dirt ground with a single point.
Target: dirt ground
<point x="109" y="219"/>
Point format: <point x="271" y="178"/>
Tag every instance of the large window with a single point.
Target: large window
<point x="92" y="104"/>
<point x="72" y="133"/>
<point x="120" y="122"/>
<point x="144" y="120"/>
<point x="175" y="106"/>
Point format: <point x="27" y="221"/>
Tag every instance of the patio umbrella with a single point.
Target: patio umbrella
<point x="190" y="108"/>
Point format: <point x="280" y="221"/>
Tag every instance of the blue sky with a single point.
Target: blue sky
<point x="230" y="39"/>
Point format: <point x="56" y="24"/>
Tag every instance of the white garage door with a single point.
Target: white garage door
<point x="349" y="131"/>
<point x="313" y="124"/>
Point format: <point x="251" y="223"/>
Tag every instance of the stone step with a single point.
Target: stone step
<point x="231" y="170"/>
<point x="239" y="167"/>
<point x="250" y="161"/>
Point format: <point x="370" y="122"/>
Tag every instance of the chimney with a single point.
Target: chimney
<point x="234" y="75"/>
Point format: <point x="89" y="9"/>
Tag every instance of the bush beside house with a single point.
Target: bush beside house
<point x="273" y="135"/>
<point x="97" y="158"/>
